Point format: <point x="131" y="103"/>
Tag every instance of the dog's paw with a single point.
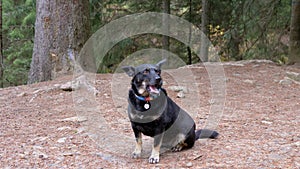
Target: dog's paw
<point x="137" y="151"/>
<point x="154" y="160"/>
<point x="178" y="147"/>
<point x="136" y="155"/>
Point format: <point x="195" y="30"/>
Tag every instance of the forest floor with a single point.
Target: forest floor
<point x="42" y="126"/>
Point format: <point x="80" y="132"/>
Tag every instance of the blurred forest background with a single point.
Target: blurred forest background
<point x="239" y="29"/>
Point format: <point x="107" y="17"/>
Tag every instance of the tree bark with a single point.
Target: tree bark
<point x="295" y="33"/>
<point x="204" y="23"/>
<point x="61" y="29"/>
<point x="166" y="39"/>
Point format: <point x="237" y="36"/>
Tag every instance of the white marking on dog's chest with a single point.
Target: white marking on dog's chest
<point x="136" y="116"/>
<point x="141" y="117"/>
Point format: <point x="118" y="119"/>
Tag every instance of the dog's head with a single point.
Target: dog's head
<point x="146" y="79"/>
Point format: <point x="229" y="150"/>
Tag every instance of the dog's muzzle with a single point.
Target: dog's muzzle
<point x="154" y="83"/>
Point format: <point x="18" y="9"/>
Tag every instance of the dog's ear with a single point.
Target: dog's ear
<point x="160" y="63"/>
<point x="129" y="70"/>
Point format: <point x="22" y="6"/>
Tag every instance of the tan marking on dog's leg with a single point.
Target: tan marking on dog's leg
<point x="138" y="147"/>
<point x="154" y="158"/>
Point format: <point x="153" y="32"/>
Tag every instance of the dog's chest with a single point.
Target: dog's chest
<point x="142" y="116"/>
<point x="150" y="129"/>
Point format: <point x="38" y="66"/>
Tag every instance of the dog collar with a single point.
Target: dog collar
<point x="144" y="98"/>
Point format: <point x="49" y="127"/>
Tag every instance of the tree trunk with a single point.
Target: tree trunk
<point x="234" y="45"/>
<point x="61" y="29"/>
<point x="166" y="39"/>
<point x="204" y="39"/>
<point x="1" y="48"/>
<point x="190" y="34"/>
<point x="295" y="33"/>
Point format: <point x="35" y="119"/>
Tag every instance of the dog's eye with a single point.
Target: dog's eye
<point x="139" y="78"/>
<point x="146" y="71"/>
<point x="157" y="71"/>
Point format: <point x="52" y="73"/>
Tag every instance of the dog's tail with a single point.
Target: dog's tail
<point x="206" y="133"/>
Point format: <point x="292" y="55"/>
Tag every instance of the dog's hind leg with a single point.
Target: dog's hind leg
<point x="154" y="158"/>
<point x="184" y="141"/>
<point x="138" y="146"/>
<point x="179" y="143"/>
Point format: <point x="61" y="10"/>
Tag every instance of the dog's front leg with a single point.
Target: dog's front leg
<point x="154" y="158"/>
<point x="138" y="146"/>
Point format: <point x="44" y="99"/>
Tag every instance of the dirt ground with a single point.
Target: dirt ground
<point x="42" y="126"/>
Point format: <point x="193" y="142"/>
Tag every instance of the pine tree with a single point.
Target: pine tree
<point x="18" y="25"/>
<point x="1" y="48"/>
<point x="295" y="33"/>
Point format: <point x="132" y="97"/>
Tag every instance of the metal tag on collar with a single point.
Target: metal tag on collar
<point x="147" y="105"/>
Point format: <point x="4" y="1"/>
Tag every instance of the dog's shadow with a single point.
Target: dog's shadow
<point x="124" y="147"/>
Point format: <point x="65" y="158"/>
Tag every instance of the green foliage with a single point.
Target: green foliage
<point x="18" y="31"/>
<point x="116" y="55"/>
<point x="240" y="29"/>
<point x="108" y="10"/>
<point x="253" y="29"/>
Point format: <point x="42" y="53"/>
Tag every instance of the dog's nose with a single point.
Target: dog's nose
<point x="157" y="77"/>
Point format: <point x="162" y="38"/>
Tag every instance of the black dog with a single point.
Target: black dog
<point x="154" y="114"/>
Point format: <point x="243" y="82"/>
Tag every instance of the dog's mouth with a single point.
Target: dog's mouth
<point x="149" y="90"/>
<point x="153" y="90"/>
